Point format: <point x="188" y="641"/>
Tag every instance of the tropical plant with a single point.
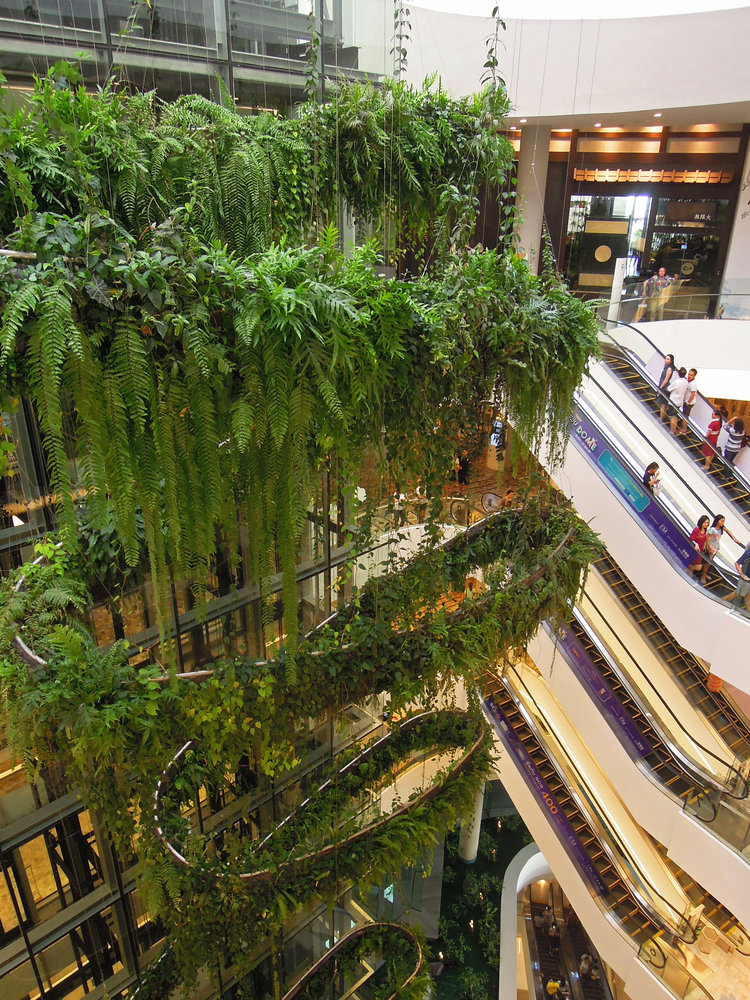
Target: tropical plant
<point x="180" y="290"/>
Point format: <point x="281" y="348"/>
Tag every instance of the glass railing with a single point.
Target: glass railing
<point x="682" y="302"/>
<point x="727" y="778"/>
<point x="648" y="360"/>
<point x="677" y="520"/>
<point x="666" y="962"/>
<point x="717" y="798"/>
<point x="619" y="851"/>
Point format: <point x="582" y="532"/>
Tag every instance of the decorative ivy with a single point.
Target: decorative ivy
<point x="186" y="296"/>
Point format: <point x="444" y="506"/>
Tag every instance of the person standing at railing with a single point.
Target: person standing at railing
<point x="743" y="584"/>
<point x="653" y="290"/>
<point x="698" y="541"/>
<point x="652" y="479"/>
<point x="736" y="439"/>
<point x="678" y="388"/>
<point x="691" y="394"/>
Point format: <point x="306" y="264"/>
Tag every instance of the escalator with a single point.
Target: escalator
<point x="679" y="775"/>
<point x="632" y="373"/>
<point x="634" y="914"/>
<point x="669" y="519"/>
<point x="717" y="707"/>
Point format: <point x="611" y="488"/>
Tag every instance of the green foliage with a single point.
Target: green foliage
<point x="474" y="985"/>
<point x="189" y="301"/>
<point x="115" y="725"/>
<point x="403" y="971"/>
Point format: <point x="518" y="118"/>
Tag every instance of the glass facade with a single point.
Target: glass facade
<point x="258" y="48"/>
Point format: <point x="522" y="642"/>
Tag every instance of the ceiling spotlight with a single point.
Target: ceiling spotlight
<point x="597" y="124"/>
<point x="657" y="114"/>
<point x="522" y="121"/>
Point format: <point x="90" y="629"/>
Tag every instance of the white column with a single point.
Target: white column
<point x="735" y="284"/>
<point x="528" y="866"/>
<point x="532" y="180"/>
<point x="468" y="840"/>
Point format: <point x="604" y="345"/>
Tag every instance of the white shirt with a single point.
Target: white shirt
<point x="678" y="387"/>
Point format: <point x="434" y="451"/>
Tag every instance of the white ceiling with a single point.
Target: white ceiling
<point x="576" y="9"/>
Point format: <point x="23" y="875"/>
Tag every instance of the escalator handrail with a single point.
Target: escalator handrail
<point x="729" y="580"/>
<point x="689" y="767"/>
<point x="728" y="467"/>
<point x="642" y="434"/>
<point x="640" y="900"/>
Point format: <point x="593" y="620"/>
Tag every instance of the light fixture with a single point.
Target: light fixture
<point x="597" y="124"/>
<point x="441" y="956"/>
<point x="471" y="925"/>
<point x="522" y="121"/>
<point x="657" y="114"/>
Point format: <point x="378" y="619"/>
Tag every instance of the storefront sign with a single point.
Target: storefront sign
<point x="677" y="212"/>
<point x="653" y="517"/>
<point x="564" y="830"/>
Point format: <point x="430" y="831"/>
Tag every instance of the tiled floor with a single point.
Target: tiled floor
<point x="724" y="975"/>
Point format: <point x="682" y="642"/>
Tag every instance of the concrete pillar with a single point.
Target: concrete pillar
<point x="532" y="180"/>
<point x="468" y="840"/>
<point x="528" y="866"/>
<point x="735" y="285"/>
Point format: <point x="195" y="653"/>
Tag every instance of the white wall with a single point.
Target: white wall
<point x="563" y="68"/>
<point x="735" y="286"/>
<point x="368" y="25"/>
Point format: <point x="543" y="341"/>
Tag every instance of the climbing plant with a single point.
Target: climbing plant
<point x="113" y="725"/>
<point x="179" y="288"/>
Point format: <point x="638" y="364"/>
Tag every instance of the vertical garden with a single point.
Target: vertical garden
<point x="177" y="289"/>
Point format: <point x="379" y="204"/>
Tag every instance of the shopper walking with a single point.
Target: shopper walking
<point x="713" y="540"/>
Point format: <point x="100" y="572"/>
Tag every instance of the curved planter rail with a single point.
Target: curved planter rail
<point x="358" y="937"/>
<point x="346" y="777"/>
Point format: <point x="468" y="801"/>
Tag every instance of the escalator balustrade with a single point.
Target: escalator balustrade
<point x="713" y="911"/>
<point x="716" y="706"/>
<point x="670" y="772"/>
<point x="722" y="474"/>
<point x="619" y="896"/>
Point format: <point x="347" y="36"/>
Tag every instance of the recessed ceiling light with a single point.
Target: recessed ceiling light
<point x="657" y="114"/>
<point x="597" y="124"/>
<point x="522" y="121"/>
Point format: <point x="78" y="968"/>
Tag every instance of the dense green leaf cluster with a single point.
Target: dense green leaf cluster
<point x="115" y="725"/>
<point x="191" y="372"/>
<point x="399" y="156"/>
<point x="189" y="301"/>
<point x="212" y="374"/>
<point x="404" y="973"/>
